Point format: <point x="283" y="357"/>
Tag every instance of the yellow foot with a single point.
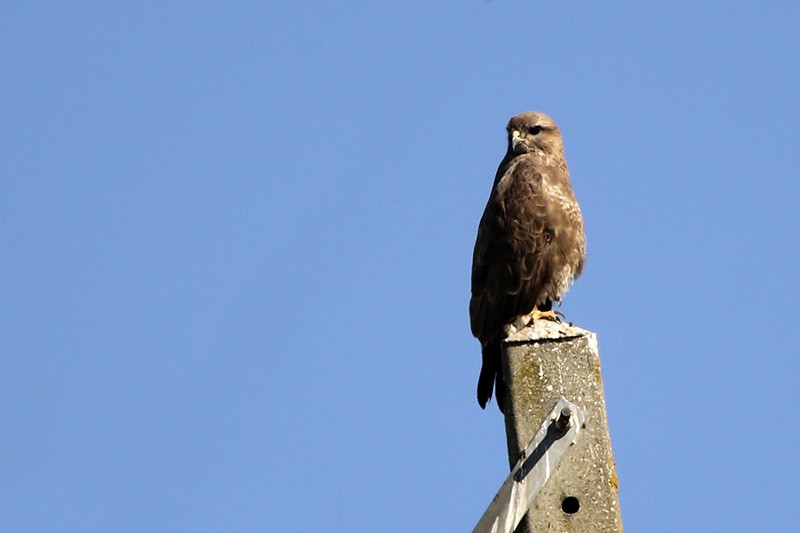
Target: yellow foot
<point x="554" y="316"/>
<point x="523" y="321"/>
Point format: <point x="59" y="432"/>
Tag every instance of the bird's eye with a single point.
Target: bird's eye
<point x="535" y="130"/>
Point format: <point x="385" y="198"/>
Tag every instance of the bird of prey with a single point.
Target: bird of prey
<point x="530" y="245"/>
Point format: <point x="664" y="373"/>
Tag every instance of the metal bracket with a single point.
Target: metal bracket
<point x="539" y="459"/>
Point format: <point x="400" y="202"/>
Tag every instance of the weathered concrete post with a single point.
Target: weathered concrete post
<point x="541" y="363"/>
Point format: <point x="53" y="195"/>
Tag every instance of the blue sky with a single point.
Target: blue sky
<point x="237" y="241"/>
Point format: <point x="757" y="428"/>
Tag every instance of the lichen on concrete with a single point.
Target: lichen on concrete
<point x="540" y="364"/>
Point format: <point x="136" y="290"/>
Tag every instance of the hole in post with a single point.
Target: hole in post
<point x="570" y="505"/>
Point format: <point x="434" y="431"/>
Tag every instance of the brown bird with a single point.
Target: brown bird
<point x="530" y="245"/>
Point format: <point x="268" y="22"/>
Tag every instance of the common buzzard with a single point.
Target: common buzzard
<point x="530" y="244"/>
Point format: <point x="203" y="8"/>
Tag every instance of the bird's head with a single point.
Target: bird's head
<point x="534" y="132"/>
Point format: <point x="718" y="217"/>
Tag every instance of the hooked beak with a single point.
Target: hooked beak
<point x="518" y="145"/>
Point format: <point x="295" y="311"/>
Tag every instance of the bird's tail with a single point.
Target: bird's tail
<point x="491" y="377"/>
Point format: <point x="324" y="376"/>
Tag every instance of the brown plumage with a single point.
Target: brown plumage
<point x="530" y="244"/>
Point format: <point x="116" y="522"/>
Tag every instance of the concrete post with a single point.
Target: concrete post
<point x="542" y="363"/>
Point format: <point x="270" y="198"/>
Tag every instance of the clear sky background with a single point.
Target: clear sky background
<point x="236" y="244"/>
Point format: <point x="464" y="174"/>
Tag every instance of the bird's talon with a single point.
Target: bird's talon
<point x="554" y="316"/>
